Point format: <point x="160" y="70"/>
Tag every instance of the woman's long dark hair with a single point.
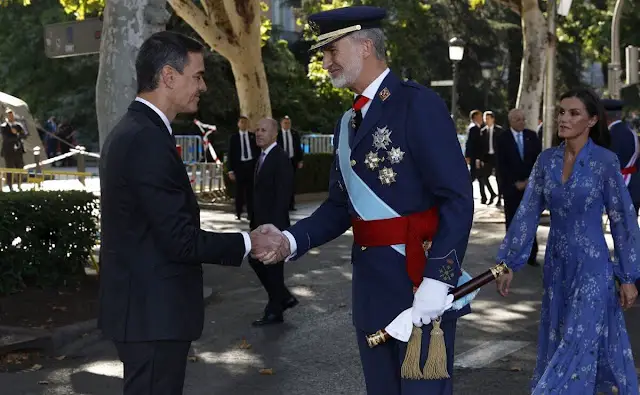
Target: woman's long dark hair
<point x="599" y="132"/>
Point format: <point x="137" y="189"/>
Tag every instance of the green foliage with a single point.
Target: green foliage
<point x="61" y="87"/>
<point x="46" y="237"/>
<point x="313" y="177"/>
<point x="82" y="8"/>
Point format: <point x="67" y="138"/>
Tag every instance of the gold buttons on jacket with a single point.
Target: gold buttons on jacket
<point x="353" y="162"/>
<point x="363" y="248"/>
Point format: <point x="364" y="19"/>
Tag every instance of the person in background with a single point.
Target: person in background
<point x="243" y="153"/>
<point x="518" y="149"/>
<point x="289" y="140"/>
<point x="13" y="135"/>
<point x="272" y="191"/>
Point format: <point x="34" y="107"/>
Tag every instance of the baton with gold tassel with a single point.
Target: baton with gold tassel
<point x="436" y="366"/>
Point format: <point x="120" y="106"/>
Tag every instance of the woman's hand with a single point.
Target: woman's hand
<point x="504" y="282"/>
<point x="628" y="295"/>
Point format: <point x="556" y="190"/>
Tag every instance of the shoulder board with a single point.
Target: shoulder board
<point x="413" y="84"/>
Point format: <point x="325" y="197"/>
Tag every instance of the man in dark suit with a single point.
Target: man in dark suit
<point x="518" y="149"/>
<point x="289" y="140"/>
<point x="151" y="303"/>
<point x="489" y="135"/>
<point x="243" y="153"/>
<point x="273" y="186"/>
<point x="624" y="143"/>
<point x="474" y="151"/>
<point x="12" y="148"/>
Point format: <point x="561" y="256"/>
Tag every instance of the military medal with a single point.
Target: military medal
<point x="372" y="160"/>
<point x="395" y="155"/>
<point x="387" y="176"/>
<point x="382" y="138"/>
<point x="384" y="94"/>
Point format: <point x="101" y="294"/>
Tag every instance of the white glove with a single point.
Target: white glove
<point x="430" y="301"/>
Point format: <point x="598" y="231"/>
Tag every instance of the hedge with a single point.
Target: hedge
<point x="313" y="177"/>
<point x="46" y="237"/>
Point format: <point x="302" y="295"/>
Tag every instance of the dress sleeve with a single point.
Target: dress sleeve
<point x="516" y="245"/>
<point x="623" y="223"/>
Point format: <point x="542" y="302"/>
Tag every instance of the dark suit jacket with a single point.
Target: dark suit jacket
<point x="272" y="190"/>
<point x="484" y="140"/>
<point x="473" y="147"/>
<point x="511" y="168"/>
<point x="11" y="140"/>
<point x="624" y="145"/>
<point x="297" y="146"/>
<point x="152" y="246"/>
<point x="235" y="151"/>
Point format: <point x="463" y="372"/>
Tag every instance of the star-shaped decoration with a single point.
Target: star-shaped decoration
<point x="382" y="138"/>
<point x="395" y="155"/>
<point x="387" y="176"/>
<point x="446" y="273"/>
<point x="372" y="160"/>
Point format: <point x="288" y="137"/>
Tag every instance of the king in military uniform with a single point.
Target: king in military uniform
<point x="399" y="179"/>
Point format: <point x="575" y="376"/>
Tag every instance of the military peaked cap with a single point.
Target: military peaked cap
<point x="612" y="104"/>
<point x="334" y="24"/>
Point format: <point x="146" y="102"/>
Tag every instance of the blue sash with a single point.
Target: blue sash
<point x="368" y="205"/>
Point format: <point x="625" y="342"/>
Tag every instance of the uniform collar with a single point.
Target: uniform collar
<point x="372" y="89"/>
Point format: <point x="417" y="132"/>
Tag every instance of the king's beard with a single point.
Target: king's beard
<point x="350" y="71"/>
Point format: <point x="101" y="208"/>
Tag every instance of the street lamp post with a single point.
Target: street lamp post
<point x="487" y="72"/>
<point x="456" y="53"/>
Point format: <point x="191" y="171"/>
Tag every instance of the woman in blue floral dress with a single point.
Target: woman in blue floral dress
<point x="583" y="345"/>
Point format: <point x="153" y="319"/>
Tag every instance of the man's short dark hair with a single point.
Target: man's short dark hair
<point x="164" y="48"/>
<point x="473" y="113"/>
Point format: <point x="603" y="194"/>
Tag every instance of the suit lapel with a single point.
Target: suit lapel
<point x="388" y="85"/>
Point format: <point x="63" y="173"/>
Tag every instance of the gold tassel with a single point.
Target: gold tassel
<point x="411" y="365"/>
<point x="436" y="366"/>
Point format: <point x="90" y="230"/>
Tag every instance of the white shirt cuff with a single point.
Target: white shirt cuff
<point x="293" y="246"/>
<point x="247" y="244"/>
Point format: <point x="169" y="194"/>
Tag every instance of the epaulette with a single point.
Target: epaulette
<point x="412" y="84"/>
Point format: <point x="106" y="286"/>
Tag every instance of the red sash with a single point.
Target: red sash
<point x="629" y="170"/>
<point x="412" y="230"/>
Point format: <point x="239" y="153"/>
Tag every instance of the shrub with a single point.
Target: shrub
<point x="46" y="237"/>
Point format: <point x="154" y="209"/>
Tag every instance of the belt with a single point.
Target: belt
<point x="629" y="170"/>
<point x="415" y="231"/>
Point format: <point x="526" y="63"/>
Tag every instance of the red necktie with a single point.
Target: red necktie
<point x="358" y="103"/>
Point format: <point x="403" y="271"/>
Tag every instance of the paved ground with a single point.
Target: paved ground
<point x="314" y="352"/>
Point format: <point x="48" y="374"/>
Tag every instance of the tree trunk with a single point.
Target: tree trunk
<point x="126" y="24"/>
<point x="232" y="28"/>
<point x="535" y="40"/>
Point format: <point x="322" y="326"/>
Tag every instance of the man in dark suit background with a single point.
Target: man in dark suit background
<point x="289" y="140"/>
<point x="272" y="190"/>
<point x="473" y="150"/>
<point x="489" y="135"/>
<point x="243" y="153"/>
<point x="151" y="303"/>
<point x="12" y="148"/>
<point x="518" y="150"/>
<point x="624" y="143"/>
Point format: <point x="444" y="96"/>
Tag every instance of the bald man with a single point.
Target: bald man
<point x="517" y="151"/>
<point x="271" y="197"/>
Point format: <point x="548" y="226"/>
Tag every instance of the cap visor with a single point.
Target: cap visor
<point x="326" y="42"/>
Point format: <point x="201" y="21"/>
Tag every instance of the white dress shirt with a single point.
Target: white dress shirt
<point x="245" y="144"/>
<point x="245" y="235"/>
<point x="157" y="110"/>
<point x="287" y="142"/>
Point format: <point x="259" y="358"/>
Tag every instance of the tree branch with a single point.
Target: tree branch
<point x="210" y="32"/>
<point x="220" y="17"/>
<point x="513" y="5"/>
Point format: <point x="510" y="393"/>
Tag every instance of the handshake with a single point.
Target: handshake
<point x="269" y="245"/>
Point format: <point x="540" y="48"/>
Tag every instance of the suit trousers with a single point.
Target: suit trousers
<point x="244" y="188"/>
<point x="511" y="204"/>
<point x="154" y="367"/>
<point x="14" y="160"/>
<point x="272" y="279"/>
<point x="292" y="204"/>
<point x="382" y="365"/>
